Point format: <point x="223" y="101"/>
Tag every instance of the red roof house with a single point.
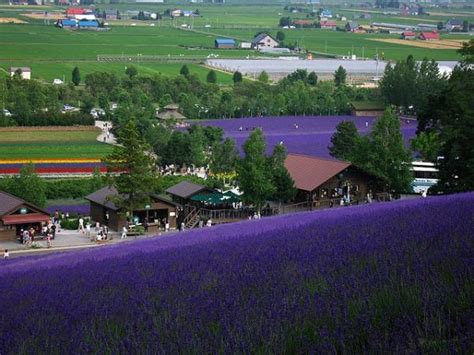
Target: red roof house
<point x="408" y="35"/>
<point x="329" y="24"/>
<point x="75" y="11"/>
<point x="429" y="36"/>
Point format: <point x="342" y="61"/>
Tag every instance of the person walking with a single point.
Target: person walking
<point x="6" y="254"/>
<point x="48" y="240"/>
<point x="81" y="225"/>
<point x="124" y="232"/>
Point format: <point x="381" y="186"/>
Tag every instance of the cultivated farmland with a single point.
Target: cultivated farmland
<point x="46" y="143"/>
<point x="365" y="279"/>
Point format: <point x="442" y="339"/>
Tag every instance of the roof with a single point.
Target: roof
<point x="368" y="105"/>
<point x="9" y="203"/>
<point x="429" y="35"/>
<point x="23" y="69"/>
<point x="225" y="41"/>
<point x="170" y="114"/>
<point x="409" y="34"/>
<point x="303" y="22"/>
<point x="309" y="173"/>
<point x="171" y="107"/>
<point x="329" y="23"/>
<point x="353" y="25"/>
<point x="260" y="37"/>
<point x="25" y="218"/>
<point x="102" y="196"/>
<point x="454" y="22"/>
<point x="185" y="189"/>
<point x="75" y="11"/>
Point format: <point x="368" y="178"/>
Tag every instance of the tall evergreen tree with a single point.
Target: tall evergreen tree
<point x="344" y="141"/>
<point x="184" y="70"/>
<point x="132" y="169"/>
<point x="255" y="178"/>
<point x="340" y="76"/>
<point x="389" y="160"/>
<point x="76" y="76"/>
<point x="237" y="77"/>
<point x="224" y="156"/>
<point x="211" y="77"/>
<point x="282" y="181"/>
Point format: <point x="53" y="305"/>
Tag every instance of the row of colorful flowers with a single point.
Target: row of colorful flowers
<point x="57" y="167"/>
<point x="40" y="161"/>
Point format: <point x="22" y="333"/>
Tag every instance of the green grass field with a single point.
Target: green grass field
<point x="53" y="53"/>
<point x="31" y="143"/>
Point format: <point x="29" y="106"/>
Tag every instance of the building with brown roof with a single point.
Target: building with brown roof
<point x="183" y="191"/>
<point x="17" y="214"/>
<point x="104" y="210"/>
<point x="323" y="179"/>
<point x="367" y="108"/>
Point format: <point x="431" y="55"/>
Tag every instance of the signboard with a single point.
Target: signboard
<point x="23" y="210"/>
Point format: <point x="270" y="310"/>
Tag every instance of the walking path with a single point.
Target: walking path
<point x="67" y="240"/>
<point x="106" y="136"/>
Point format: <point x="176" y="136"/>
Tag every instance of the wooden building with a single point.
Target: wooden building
<point x="106" y="212"/>
<point x="181" y="193"/>
<point x="324" y="179"/>
<point x="170" y="113"/>
<point x="17" y="214"/>
<point x="367" y="108"/>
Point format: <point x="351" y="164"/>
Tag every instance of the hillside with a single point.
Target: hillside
<point x="387" y="277"/>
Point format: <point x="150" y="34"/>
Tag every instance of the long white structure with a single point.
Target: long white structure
<point x="278" y="68"/>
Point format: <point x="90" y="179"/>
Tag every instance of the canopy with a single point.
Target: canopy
<point x="216" y="198"/>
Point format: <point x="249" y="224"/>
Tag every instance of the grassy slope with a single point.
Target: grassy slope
<point x="33" y="144"/>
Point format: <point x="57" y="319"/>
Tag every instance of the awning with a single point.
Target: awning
<point x="25" y="218"/>
<point x="216" y="198"/>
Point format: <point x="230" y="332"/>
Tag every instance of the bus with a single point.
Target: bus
<point x="425" y="175"/>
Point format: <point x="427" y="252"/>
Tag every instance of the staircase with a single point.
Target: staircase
<point x="192" y="218"/>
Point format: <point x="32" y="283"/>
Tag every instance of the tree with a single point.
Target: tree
<point x="263" y="77"/>
<point x="340" y="76"/>
<point x="131" y="169"/>
<point x="280" y="36"/>
<point x="211" y="77"/>
<point x="344" y="141"/>
<point x="312" y="79"/>
<point x="224" y="157"/>
<point x="29" y="186"/>
<point x="465" y="26"/>
<point x="255" y="178"/>
<point x="76" y="76"/>
<point x="388" y="159"/>
<point x="237" y="77"/>
<point x="282" y="181"/>
<point x="427" y="144"/>
<point x="131" y="71"/>
<point x="286" y="21"/>
<point x="451" y="115"/>
<point x="184" y="70"/>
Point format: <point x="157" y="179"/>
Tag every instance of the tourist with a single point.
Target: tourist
<point x="56" y="217"/>
<point x="106" y="232"/>
<point x="341" y="202"/>
<point x="201" y="223"/>
<point x="145" y="225"/>
<point x="48" y="240"/>
<point x="88" y="230"/>
<point x="97" y="226"/>
<point x="81" y="225"/>
<point x="209" y="223"/>
<point x="182" y="226"/>
<point x="124" y="232"/>
<point x="424" y="193"/>
<point x="167" y="226"/>
<point x="6" y="254"/>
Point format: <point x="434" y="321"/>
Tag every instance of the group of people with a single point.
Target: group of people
<point x="101" y="231"/>
<point x="47" y="232"/>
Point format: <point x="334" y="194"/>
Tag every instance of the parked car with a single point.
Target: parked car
<point x="6" y="113"/>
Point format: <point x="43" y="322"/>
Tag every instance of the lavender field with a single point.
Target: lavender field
<point x="381" y="278"/>
<point x="312" y="137"/>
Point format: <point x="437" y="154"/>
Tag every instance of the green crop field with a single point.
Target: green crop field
<point x="31" y="143"/>
<point x="53" y="53"/>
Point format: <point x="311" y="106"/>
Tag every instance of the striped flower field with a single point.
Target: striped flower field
<point x="52" y="166"/>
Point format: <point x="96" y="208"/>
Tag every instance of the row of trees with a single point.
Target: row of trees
<point x="299" y="94"/>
